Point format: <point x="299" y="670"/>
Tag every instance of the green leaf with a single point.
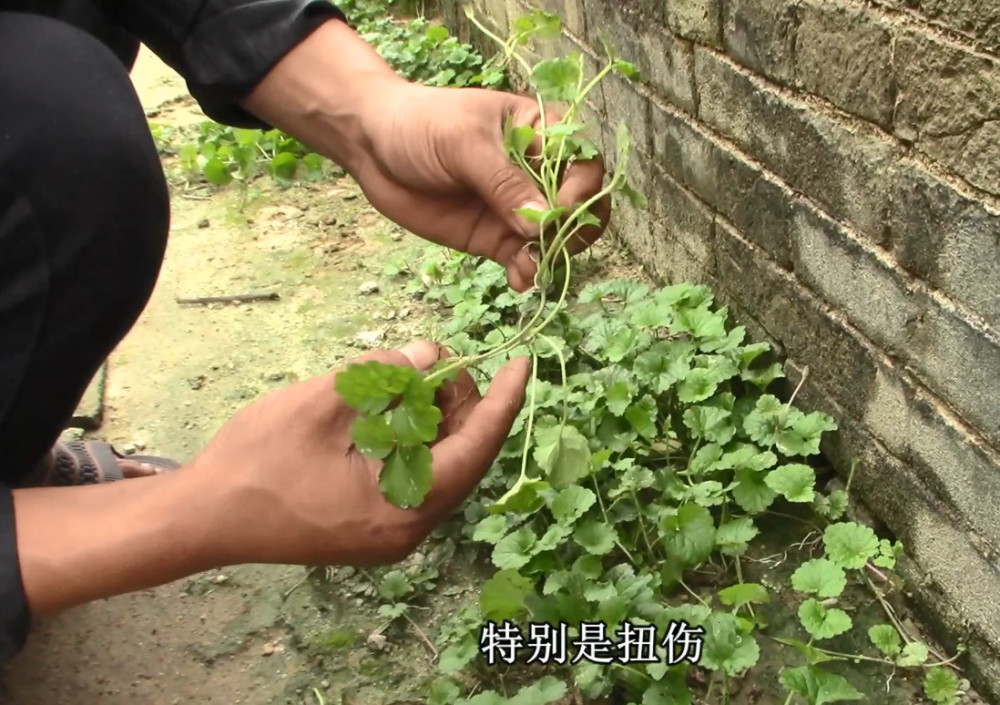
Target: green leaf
<point x="284" y="165"/>
<point x="541" y="218"/>
<point x="394" y="585"/>
<point x="913" y="654"/>
<point x="941" y="686"/>
<point x="556" y="80"/>
<point x="886" y="639"/>
<point x="547" y="689"/>
<point x="443" y="692"/>
<point x="406" y="476"/>
<point x="415" y="424"/>
<point x="817" y="686"/>
<point x="710" y="423"/>
<point x="523" y="498"/>
<point x="804" y="433"/>
<point x="744" y="594"/>
<point x="849" y="544"/>
<point x="642" y="417"/>
<point x="725" y="648"/>
<point x="733" y="538"/>
<point x="437" y="33"/>
<point x="626" y="69"/>
<point x="698" y="385"/>
<point x="564" y="454"/>
<point x="373" y="437"/>
<point x="457" y="656"/>
<point x="572" y="503"/>
<point x="518" y="139"/>
<point x="503" y="596"/>
<point x="595" y="537"/>
<point x="371" y="386"/>
<point x="751" y="491"/>
<point x="216" y="172"/>
<point x="820" y="577"/>
<point x="618" y="397"/>
<point x="688" y="535"/>
<point x="491" y="529"/>
<point x="823" y="622"/>
<point x="794" y="482"/>
<point x="515" y="549"/>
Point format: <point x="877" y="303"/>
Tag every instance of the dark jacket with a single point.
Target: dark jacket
<point x="222" y="48"/>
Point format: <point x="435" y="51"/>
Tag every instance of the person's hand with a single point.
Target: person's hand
<point x="294" y="490"/>
<point x="437" y="166"/>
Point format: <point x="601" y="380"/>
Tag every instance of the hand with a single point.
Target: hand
<point x="437" y="166"/>
<point x="295" y="490"/>
<point x="431" y="159"/>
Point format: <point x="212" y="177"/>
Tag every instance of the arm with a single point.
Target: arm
<point x="77" y="544"/>
<point x="222" y="48"/>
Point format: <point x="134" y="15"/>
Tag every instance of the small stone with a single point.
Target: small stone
<point x="128" y="449"/>
<point x="370" y="338"/>
<point x="396" y="235"/>
<point x="368" y="288"/>
<point x="350" y="196"/>
<point x="203" y="223"/>
<point x="267" y="649"/>
<point x="390" y="316"/>
<point x="220" y="579"/>
<point x="404" y="313"/>
<point x="324" y="684"/>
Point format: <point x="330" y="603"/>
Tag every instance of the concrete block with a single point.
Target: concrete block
<point x="697" y="20"/>
<point x="666" y="64"/>
<point x="950" y="355"/>
<point x="760" y="34"/>
<point x="796" y="319"/>
<point x="977" y="19"/>
<point x="844" y="53"/>
<point x="949" y="106"/>
<point x="682" y="245"/>
<point x="753" y="201"/>
<point x="841" y="166"/>
<point x="947" y="238"/>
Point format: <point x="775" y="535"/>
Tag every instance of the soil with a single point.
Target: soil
<point x="270" y="635"/>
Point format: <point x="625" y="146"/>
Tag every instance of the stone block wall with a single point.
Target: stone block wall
<point x="832" y="169"/>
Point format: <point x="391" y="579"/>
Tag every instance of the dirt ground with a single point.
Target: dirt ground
<point x="226" y="637"/>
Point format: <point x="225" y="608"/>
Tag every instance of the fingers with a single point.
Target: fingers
<point x="419" y="354"/>
<point x="463" y="458"/>
<point x="583" y="181"/>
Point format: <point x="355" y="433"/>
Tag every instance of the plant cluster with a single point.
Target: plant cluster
<point x="649" y="451"/>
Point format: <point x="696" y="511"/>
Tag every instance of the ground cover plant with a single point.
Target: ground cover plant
<point x="647" y="450"/>
<point x="623" y="526"/>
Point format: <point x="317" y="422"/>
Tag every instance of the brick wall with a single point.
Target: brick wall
<point x="832" y="169"/>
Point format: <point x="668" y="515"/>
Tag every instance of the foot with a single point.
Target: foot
<point x="91" y="462"/>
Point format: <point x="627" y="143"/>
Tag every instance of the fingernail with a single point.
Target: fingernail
<point x="421" y="354"/>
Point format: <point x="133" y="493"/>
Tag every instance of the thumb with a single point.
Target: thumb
<point x="463" y="458"/>
<point x="503" y="185"/>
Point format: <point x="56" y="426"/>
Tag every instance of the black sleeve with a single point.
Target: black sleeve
<point x="14" y="617"/>
<point x="222" y="48"/>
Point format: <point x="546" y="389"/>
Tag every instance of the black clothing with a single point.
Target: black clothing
<point x="84" y="206"/>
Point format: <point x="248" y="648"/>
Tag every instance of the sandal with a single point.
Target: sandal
<point x="92" y="462"/>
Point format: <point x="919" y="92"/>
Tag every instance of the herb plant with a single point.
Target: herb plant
<point x="399" y="436"/>
<point x="634" y="484"/>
